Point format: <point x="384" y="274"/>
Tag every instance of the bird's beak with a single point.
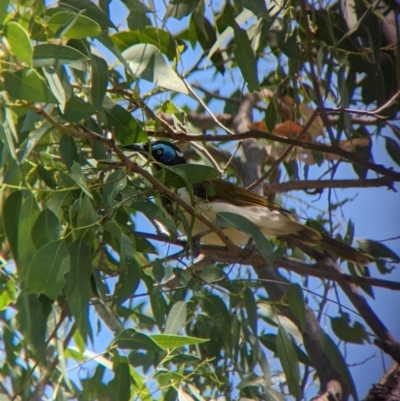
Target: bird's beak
<point x="137" y="147"/>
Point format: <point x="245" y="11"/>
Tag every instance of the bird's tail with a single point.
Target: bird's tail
<point x="309" y="236"/>
<point x="343" y="250"/>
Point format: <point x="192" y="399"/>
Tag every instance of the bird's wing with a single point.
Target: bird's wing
<point x="218" y="189"/>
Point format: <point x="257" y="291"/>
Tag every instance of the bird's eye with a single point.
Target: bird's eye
<point x="159" y="152"/>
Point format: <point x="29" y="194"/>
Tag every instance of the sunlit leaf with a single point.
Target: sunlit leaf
<point x="176" y="318"/>
<point x="168" y="341"/>
<point x="147" y="62"/>
<point x="19" y="42"/>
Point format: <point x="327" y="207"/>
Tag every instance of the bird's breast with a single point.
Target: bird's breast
<point x="270" y="222"/>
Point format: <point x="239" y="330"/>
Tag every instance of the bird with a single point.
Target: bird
<point x="217" y="195"/>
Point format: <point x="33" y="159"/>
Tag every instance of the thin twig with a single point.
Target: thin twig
<point x="207" y="154"/>
<point x="200" y="100"/>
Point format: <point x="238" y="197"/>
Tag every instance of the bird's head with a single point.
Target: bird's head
<point x="161" y="151"/>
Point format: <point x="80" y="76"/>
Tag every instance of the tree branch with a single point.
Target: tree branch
<point x="324" y="184"/>
<point x="336" y="150"/>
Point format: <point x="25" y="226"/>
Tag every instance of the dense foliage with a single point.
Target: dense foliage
<point x="100" y="295"/>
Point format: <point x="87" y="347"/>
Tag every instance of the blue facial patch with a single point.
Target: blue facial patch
<point x="163" y="153"/>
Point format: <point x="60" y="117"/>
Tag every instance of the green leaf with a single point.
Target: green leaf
<point x="216" y="308"/>
<point x="3" y="9"/>
<point x="343" y="330"/>
<point x="244" y="54"/>
<point x="77" y="26"/>
<point x="56" y="85"/>
<point x="168" y="341"/>
<point x="105" y="40"/>
<point x="147" y="62"/>
<point x="211" y="274"/>
<point x="26" y="248"/>
<point x="8" y="294"/>
<point x="86" y="221"/>
<point x="69" y="151"/>
<point x="27" y="84"/>
<point x="176" y="318"/>
<point x="158" y="270"/>
<point x="99" y="71"/>
<point x="19" y="41"/>
<point x="251" y="380"/>
<point x="258" y="7"/>
<point x="46" y="228"/>
<point x="120" y="385"/>
<point x="58" y="201"/>
<point x="251" y="309"/>
<point x="192" y="173"/>
<point x="393" y="148"/>
<point x="80" y="179"/>
<point x="288" y="45"/>
<point x="115" y="183"/>
<point x="52" y="55"/>
<point x="47" y="269"/>
<point x="154" y="212"/>
<point x="269" y="341"/>
<point x="91" y="10"/>
<point x="179" y="9"/>
<point x="77" y="287"/>
<point x="8" y="134"/>
<point x="163" y="40"/>
<point x="118" y="120"/>
<point x="10" y="215"/>
<point x="129" y="278"/>
<point x="297" y="306"/>
<point x="206" y="36"/>
<point x="33" y="312"/>
<point x="288" y="358"/>
<point x="77" y="110"/>
<point x="131" y="339"/>
<point x="242" y="224"/>
<point x="338" y="362"/>
<point x="377" y="249"/>
<point x="158" y="306"/>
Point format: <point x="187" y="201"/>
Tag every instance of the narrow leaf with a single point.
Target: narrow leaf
<point x="338" y="362"/>
<point x="296" y="304"/>
<point x="168" y="341"/>
<point x="176" y="318"/>
<point x="288" y="358"/>
<point x="10" y="215"/>
<point x="77" y="288"/>
<point x="251" y="309"/>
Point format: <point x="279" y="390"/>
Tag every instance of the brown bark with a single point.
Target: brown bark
<point x="388" y="389"/>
